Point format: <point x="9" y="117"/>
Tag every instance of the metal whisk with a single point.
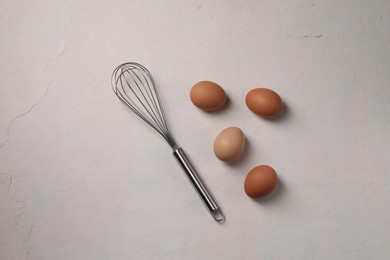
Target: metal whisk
<point x="134" y="86"/>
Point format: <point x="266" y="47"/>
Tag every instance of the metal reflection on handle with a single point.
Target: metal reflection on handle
<point x="198" y="185"/>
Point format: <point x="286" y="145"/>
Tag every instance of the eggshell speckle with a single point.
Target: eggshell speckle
<point x="260" y="181"/>
<point x="208" y="96"/>
<point x="229" y="144"/>
<point x="264" y="102"/>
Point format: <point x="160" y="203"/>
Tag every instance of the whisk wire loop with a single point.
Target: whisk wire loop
<point x="134" y="86"/>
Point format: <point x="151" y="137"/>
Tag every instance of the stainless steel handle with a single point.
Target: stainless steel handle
<point x="198" y="185"/>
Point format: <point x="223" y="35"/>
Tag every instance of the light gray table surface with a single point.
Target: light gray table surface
<point x="83" y="178"/>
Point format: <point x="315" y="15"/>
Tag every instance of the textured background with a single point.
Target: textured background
<point x="82" y="178"/>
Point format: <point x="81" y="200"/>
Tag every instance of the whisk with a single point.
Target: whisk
<point x="134" y="86"/>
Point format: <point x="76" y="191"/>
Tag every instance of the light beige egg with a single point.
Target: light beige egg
<point x="229" y="144"/>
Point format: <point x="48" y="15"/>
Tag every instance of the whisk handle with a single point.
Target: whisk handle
<point x="198" y="185"/>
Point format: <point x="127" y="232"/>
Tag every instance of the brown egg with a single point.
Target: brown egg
<point x="264" y="102"/>
<point x="229" y="144"/>
<point x="260" y="181"/>
<point x="208" y="96"/>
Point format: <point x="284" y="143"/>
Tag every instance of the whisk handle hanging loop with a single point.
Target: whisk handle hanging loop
<point x="198" y="185"/>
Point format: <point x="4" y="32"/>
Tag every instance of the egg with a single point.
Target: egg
<point x="208" y="96"/>
<point x="264" y="102"/>
<point x="229" y="144"/>
<point x="260" y="181"/>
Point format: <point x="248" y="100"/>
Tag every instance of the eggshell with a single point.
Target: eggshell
<point x="260" y="181"/>
<point x="264" y="102"/>
<point x="208" y="96"/>
<point x="229" y="144"/>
